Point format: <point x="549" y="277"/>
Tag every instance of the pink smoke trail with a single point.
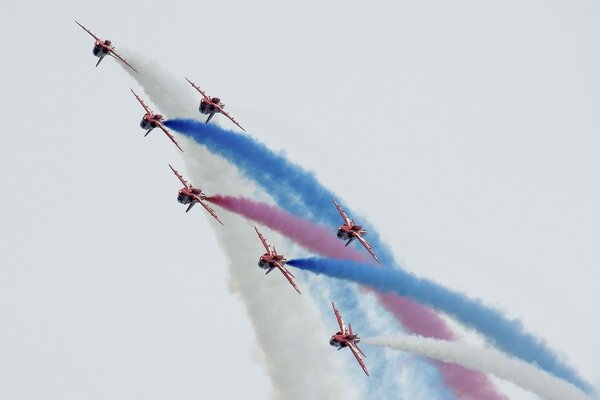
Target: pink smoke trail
<point x="466" y="384"/>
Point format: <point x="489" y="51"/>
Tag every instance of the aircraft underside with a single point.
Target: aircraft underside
<point x="184" y="199"/>
<point x="344" y="235"/>
<point x="145" y="124"/>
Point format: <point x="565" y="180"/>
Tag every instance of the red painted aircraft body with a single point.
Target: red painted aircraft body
<point x="151" y="121"/>
<point x="191" y="195"/>
<point x="212" y="105"/>
<point x="271" y="260"/>
<point x="103" y="48"/>
<point x="346" y="338"/>
<point x="350" y="231"/>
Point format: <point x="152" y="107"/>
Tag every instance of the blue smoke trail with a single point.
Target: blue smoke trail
<point x="296" y="190"/>
<point x="299" y="192"/>
<point x="508" y="335"/>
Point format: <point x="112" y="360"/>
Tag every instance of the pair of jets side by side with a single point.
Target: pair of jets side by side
<point x="208" y="105"/>
<point x="151" y="120"/>
<point x="347" y="231"/>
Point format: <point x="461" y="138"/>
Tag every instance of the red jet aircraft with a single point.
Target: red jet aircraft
<point x="349" y="231"/>
<point x="191" y="195"/>
<point x="345" y="338"/>
<point x="271" y="260"/>
<point x="151" y="121"/>
<point x="212" y="105"/>
<point x="104" y="47"/>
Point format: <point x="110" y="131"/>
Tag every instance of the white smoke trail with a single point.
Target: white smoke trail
<point x="287" y="326"/>
<point x="485" y="360"/>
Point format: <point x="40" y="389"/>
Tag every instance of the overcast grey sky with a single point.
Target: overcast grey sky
<point x="474" y="130"/>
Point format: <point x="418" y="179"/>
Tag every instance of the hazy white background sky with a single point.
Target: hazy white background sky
<point x="473" y="127"/>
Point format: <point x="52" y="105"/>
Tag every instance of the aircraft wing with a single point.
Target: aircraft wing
<point x="360" y="351"/>
<point x="288" y="275"/>
<point x="148" y="109"/>
<point x="264" y="242"/>
<point x="367" y="246"/>
<point x="342" y="213"/>
<point x="183" y="181"/>
<point x="355" y="351"/>
<point x="115" y="55"/>
<point x="161" y="126"/>
<point x="88" y="31"/>
<point x="225" y="113"/>
<point x="210" y="210"/>
<point x="198" y="89"/>
<point x="338" y="316"/>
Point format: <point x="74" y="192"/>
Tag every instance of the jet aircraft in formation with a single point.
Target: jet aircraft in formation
<point x="151" y="121"/>
<point x="103" y="48"/>
<point x="271" y="260"/>
<point x="191" y="195"/>
<point x="350" y="231"/>
<point x="212" y="105"/>
<point x="346" y="338"/>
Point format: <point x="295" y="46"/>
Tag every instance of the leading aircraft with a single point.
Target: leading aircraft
<point x="346" y="338"/>
<point x="151" y="121"/>
<point x="104" y="47"/>
<point x="271" y="260"/>
<point x="349" y="231"/>
<point x="191" y="195"/>
<point x="212" y="105"/>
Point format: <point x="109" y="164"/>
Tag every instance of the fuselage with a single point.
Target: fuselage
<point x="101" y="48"/>
<point x="346" y="232"/>
<point x="187" y="196"/>
<point x="339" y="340"/>
<point x="207" y="106"/>
<point x="267" y="261"/>
<point x="150" y="121"/>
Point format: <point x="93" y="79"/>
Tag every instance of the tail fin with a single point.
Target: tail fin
<point x="210" y="116"/>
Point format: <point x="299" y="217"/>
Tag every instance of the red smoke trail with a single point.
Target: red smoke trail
<point x="416" y="318"/>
